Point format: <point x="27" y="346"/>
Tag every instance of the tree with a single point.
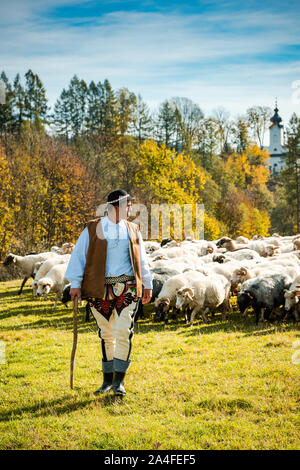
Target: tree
<point x="188" y="116"/>
<point x="126" y="104"/>
<point x="7" y="108"/>
<point x="258" y="118"/>
<point x="240" y="135"/>
<point x="18" y="103"/>
<point x="221" y="116"/>
<point x="142" y="120"/>
<point x="166" y="124"/>
<point x="35" y="108"/>
<point x="7" y="204"/>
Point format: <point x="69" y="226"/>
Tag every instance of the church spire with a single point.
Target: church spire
<point x="276" y="119"/>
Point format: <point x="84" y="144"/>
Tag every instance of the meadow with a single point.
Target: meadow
<point x="220" y="385"/>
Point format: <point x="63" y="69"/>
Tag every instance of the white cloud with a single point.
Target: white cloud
<point x="155" y="54"/>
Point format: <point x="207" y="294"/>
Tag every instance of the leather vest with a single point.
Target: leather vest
<point x="93" y="281"/>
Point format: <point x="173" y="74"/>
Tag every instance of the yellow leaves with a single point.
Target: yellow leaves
<point x="253" y="222"/>
<point x="171" y="178"/>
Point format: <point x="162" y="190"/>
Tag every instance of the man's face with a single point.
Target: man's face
<point x="123" y="211"/>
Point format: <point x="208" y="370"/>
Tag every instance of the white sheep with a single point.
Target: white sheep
<point x="205" y="294"/>
<point x="291" y="297"/>
<point x="54" y="281"/>
<point x="167" y="295"/>
<point x="26" y="264"/>
<point x="45" y="267"/>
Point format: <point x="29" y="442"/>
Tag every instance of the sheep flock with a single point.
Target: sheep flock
<point x="196" y="277"/>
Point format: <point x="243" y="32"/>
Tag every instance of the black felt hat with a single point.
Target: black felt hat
<point x="117" y="196"/>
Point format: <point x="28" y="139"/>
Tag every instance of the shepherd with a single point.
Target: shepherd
<point x="109" y="269"/>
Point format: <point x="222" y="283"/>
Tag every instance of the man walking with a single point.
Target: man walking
<point x="108" y="267"/>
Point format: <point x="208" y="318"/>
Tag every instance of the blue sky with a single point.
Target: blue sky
<point x="217" y="53"/>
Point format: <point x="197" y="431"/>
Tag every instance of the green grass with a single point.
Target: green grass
<point x="221" y="385"/>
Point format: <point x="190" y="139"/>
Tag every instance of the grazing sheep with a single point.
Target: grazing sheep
<point x="230" y="244"/>
<point x="205" y="294"/>
<point x="167" y="295"/>
<point x="54" y="281"/>
<point x="266" y="294"/>
<point x="291" y="297"/>
<point x="150" y="246"/>
<point x="26" y="264"/>
<point x="45" y="267"/>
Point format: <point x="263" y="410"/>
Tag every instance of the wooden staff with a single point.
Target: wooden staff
<point x="75" y="314"/>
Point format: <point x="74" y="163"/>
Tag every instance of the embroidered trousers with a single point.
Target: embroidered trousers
<point x="115" y="319"/>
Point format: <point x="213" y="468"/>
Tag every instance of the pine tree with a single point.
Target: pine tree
<point x="142" y="120"/>
<point x="35" y="108"/>
<point x="166" y="124"/>
<point x="126" y="104"/>
<point x="18" y="103"/>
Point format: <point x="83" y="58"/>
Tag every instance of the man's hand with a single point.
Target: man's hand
<point x="75" y="293"/>
<point x="147" y="296"/>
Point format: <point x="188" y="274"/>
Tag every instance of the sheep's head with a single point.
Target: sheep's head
<point x="239" y="275"/>
<point x="184" y="297"/>
<point x="207" y="250"/>
<point x="162" y="304"/>
<point x="219" y="259"/>
<point x="66" y="295"/>
<point x="271" y="250"/>
<point x="9" y="259"/>
<point x="223" y="241"/>
<point x="243" y="301"/>
<point x="67" y="248"/>
<point x="34" y="286"/>
<point x="291" y="298"/>
<point x="249" y="295"/>
<point x="43" y="287"/>
<point x="296" y="244"/>
<point x="257" y="237"/>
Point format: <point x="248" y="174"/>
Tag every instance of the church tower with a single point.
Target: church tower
<point x="276" y="149"/>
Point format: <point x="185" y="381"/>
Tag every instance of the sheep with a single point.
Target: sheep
<point x="45" y="268"/>
<point x="167" y="296"/>
<point x="54" y="281"/>
<point x="243" y="254"/>
<point x="230" y="244"/>
<point x="67" y="248"/>
<point x="291" y="297"/>
<point x="265" y="294"/>
<point x="150" y="246"/>
<point x="204" y="294"/>
<point x="261" y="247"/>
<point x="242" y="239"/>
<point x="26" y="263"/>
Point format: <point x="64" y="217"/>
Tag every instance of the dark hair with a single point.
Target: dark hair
<point x="115" y="197"/>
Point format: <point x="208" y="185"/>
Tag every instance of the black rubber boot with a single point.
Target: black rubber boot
<point x="118" y="385"/>
<point x="107" y="383"/>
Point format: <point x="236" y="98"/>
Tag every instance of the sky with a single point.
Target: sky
<point x="229" y="54"/>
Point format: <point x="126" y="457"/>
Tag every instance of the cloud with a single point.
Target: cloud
<point x="215" y="58"/>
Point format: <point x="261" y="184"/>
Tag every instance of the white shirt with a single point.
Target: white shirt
<point x="118" y="260"/>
